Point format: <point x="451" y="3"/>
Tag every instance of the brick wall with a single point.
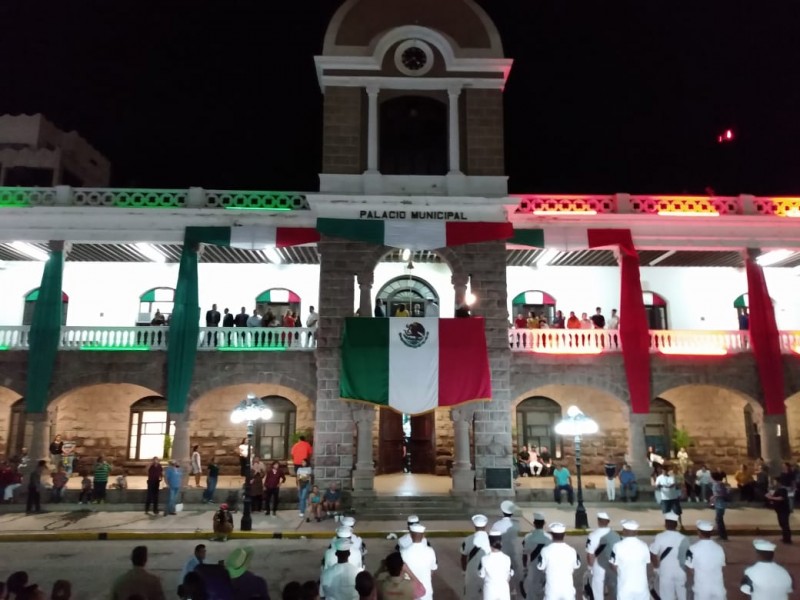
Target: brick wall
<point x="484" y="132"/>
<point x="342" y="131"/>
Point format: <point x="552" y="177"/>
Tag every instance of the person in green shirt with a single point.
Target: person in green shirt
<point x="211" y="481"/>
<point x="101" y="472"/>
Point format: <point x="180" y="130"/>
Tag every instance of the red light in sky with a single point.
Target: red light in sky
<point x="727" y="136"/>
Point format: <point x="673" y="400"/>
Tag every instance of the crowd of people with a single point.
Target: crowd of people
<point x="259" y="319"/>
<point x="538" y="320"/>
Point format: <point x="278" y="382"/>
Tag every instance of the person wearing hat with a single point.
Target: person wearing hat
<point x="668" y="555"/>
<point x="354" y="554"/>
<point x="222" y="524"/>
<point x="421" y="559"/>
<point x="509" y="528"/>
<point x="598" y="551"/>
<point x="532" y="546"/>
<point x="706" y="559"/>
<point x="405" y="539"/>
<point x="559" y="561"/>
<point x="473" y="548"/>
<point x="244" y="582"/>
<point x="766" y="580"/>
<point x="495" y="570"/>
<point x="338" y="581"/>
<point x="357" y="541"/>
<point x="629" y="559"/>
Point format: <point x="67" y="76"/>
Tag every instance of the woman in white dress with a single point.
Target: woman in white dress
<point x="197" y="467"/>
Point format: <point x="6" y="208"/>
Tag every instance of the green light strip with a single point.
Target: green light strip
<point x="3" y="348"/>
<point x="89" y="348"/>
<point x="267" y="349"/>
<point x="266" y="208"/>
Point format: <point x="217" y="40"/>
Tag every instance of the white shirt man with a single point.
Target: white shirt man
<point x="598" y="549"/>
<point x="473" y="549"/>
<point x="613" y="323"/>
<point x="532" y="546"/>
<point x="509" y="529"/>
<point x="766" y="580"/>
<point x="338" y="582"/>
<point x="706" y="559"/>
<point x="357" y="543"/>
<point x="495" y="570"/>
<point x="421" y="559"/>
<point x="355" y="557"/>
<point x="405" y="540"/>
<point x="668" y="552"/>
<point x="431" y="308"/>
<point x="558" y="561"/>
<point x="630" y="557"/>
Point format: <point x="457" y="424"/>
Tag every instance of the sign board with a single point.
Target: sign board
<point x="499" y="478"/>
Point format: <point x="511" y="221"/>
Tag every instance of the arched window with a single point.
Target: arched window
<point x="407" y="290"/>
<point x="278" y="301"/>
<point x="30" y="301"/>
<point x="273" y="437"/>
<point x="16" y="428"/>
<point x="151" y="432"/>
<point x="656" y="308"/>
<point x="413" y="136"/>
<point x="751" y="432"/>
<point x="160" y="299"/>
<point x="540" y="303"/>
<point x="659" y="425"/>
<point x="536" y="421"/>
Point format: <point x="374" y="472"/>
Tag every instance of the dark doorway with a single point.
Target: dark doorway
<point x="536" y="421"/>
<point x="273" y="438"/>
<point x="413" y="136"/>
<point x="391" y="442"/>
<point x="659" y="426"/>
<point x="422" y="444"/>
<point x="16" y="429"/>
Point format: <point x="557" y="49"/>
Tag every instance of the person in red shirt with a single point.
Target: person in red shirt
<point x="272" y="487"/>
<point x="301" y="451"/>
<point x="520" y="322"/>
<point x="573" y="322"/>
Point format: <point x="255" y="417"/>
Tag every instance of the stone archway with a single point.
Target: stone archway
<point x="8" y="398"/>
<point x="793" y="423"/>
<point x="714" y="417"/>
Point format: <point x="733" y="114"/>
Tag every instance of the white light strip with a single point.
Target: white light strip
<point x="273" y="255"/>
<point x="664" y="256"/>
<point x="546" y="257"/>
<point x="771" y="258"/>
<point x="150" y="252"/>
<point x="30" y="250"/>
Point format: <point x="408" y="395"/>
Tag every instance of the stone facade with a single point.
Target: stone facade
<point x="342" y="131"/>
<point x="483" y="136"/>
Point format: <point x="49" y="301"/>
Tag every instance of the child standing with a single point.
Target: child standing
<point x="85" y="496"/>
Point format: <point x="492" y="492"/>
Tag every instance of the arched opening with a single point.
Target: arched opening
<point x="276" y="302"/>
<point x="151" y="431"/>
<point x="30" y="302"/>
<point x="659" y="427"/>
<point x="656" y="308"/>
<point x="413" y="136"/>
<point x="540" y="303"/>
<point x="159" y="299"/>
<point x="407" y="292"/>
<point x="536" y="420"/>
<point x="273" y="438"/>
<point x="407" y="443"/>
<point x="16" y="428"/>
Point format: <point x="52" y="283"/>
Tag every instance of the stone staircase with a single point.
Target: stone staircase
<point x="396" y="508"/>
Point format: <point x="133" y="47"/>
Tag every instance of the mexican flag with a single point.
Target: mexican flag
<point x="253" y="237"/>
<point x="415" y="234"/>
<point x="414" y="365"/>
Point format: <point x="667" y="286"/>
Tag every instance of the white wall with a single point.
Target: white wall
<point x="108" y="293"/>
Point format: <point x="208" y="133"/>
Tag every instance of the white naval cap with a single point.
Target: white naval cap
<point x="417" y="528"/>
<point x="348" y="521"/>
<point x="479" y="520"/>
<point x="508" y="507"/>
<point x="495" y="533"/>
<point x="342" y="545"/>
<point x="537" y="516"/>
<point x="412" y="519"/>
<point x="344" y="532"/>
<point x="604" y="516"/>
<point x="558" y="528"/>
<point x="764" y="546"/>
<point x="630" y="525"/>
<point x="705" y="526"/>
<point x="671" y="516"/>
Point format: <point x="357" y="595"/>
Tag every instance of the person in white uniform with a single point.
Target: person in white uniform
<point x="598" y="551"/>
<point x="495" y="570"/>
<point x="356" y="541"/>
<point x="421" y="559"/>
<point x="338" y="582"/>
<point x="706" y="559"/>
<point x="559" y="561"/>
<point x="629" y="558"/>
<point x="532" y="546"/>
<point x="668" y="555"/>
<point x="509" y="528"/>
<point x="330" y="557"/>
<point x="405" y="539"/>
<point x="473" y="549"/>
<point x="766" y="580"/>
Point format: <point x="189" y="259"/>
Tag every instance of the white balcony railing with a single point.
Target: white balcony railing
<point x="564" y="341"/>
<point x="131" y="339"/>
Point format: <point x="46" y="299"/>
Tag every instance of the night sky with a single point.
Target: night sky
<point x="604" y="96"/>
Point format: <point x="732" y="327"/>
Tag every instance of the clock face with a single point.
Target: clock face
<point x="414" y="58"/>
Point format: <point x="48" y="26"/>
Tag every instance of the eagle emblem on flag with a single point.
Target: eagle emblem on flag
<point x="414" y="335"/>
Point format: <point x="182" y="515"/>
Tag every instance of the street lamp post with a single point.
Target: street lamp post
<point x="577" y="424"/>
<point x="249" y="410"/>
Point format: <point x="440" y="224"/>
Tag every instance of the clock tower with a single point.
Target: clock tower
<point x="413" y="100"/>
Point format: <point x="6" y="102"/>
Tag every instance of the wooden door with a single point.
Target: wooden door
<point x="390" y="444"/>
<point x="422" y="444"/>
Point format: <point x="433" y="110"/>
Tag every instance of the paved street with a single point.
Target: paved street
<point x="92" y="566"/>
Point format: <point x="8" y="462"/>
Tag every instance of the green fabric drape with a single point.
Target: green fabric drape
<point x="45" y="334"/>
<point x="184" y="330"/>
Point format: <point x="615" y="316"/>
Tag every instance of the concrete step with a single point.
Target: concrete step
<point x="427" y="508"/>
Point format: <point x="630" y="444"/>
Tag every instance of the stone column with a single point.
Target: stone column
<point x="637" y="448"/>
<point x="463" y="474"/>
<point x="40" y="437"/>
<point x="364" y="473"/>
<point x="180" y="443"/>
<point x="365" y="281"/>
<point x="459" y="281"/>
<point x="771" y="450"/>
<point x="453" y="130"/>
<point x="372" y="129"/>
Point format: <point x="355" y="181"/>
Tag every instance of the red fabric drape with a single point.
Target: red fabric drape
<point x="764" y="339"/>
<point x="633" y="328"/>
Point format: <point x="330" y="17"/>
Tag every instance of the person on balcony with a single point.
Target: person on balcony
<point x="558" y="321"/>
<point x="586" y="322"/>
<point x="520" y="322"/>
<point x="431" y="308"/>
<point x="613" y="320"/>
<point x="533" y="321"/>
<point x="240" y="320"/>
<point x="563" y="483"/>
<point x="311" y="323"/>
<point x="401" y="311"/>
<point x="573" y="322"/>
<point x="158" y="319"/>
<point x="212" y="320"/>
<point x="598" y="320"/>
